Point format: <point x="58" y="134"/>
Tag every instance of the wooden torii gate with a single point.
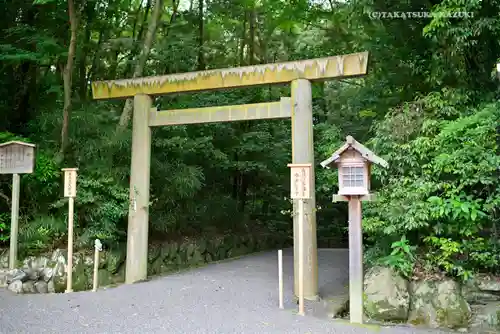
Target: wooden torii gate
<point x="298" y="107"/>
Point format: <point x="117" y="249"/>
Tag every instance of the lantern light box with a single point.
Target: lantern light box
<point x="354" y="163"/>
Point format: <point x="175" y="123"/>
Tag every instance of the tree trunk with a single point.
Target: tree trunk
<point x="175" y="3"/>
<point x="138" y="37"/>
<point x="139" y="66"/>
<point x="83" y="77"/>
<point x="94" y="67"/>
<point x="251" y="38"/>
<point x="67" y="73"/>
<point x="243" y="39"/>
<point x="201" y="39"/>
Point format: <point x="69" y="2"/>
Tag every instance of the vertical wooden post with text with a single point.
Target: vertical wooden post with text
<point x="16" y="158"/>
<point x="354" y="167"/>
<point x="300" y="189"/>
<point x="70" y="175"/>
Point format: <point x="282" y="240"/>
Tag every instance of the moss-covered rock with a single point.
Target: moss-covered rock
<point x="115" y="258"/>
<point x="486" y="317"/>
<point x="438" y="304"/>
<point x="386" y="295"/>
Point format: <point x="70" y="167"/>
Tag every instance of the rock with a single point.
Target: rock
<point x="482" y="290"/>
<point x="47" y="274"/>
<point x="29" y="287"/>
<point x="55" y="272"/>
<point x="59" y="255"/>
<point x="336" y="306"/>
<point x="438" y="304"/>
<point x="16" y="286"/>
<point x="4" y="259"/>
<point x="488" y="283"/>
<point x="33" y="274"/>
<point x="486" y="316"/>
<point x="115" y="258"/>
<point x="41" y="287"/>
<point x="35" y="263"/>
<point x="387" y="296"/>
<point x="82" y="274"/>
<point x="157" y="267"/>
<point x="51" y="287"/>
<point x="4" y="274"/>
<point x="17" y="275"/>
<point x="154" y="251"/>
<point x="196" y="258"/>
<point x="104" y="277"/>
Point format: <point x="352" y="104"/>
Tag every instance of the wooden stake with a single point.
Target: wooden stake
<point x="14" y="221"/>
<point x="280" y="277"/>
<point x="355" y="261"/>
<point x="301" y="257"/>
<point x="69" y="287"/>
<point x="97" y="250"/>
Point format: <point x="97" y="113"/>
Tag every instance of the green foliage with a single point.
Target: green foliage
<point x="442" y="186"/>
<point x="402" y="258"/>
<point x="429" y="107"/>
<point x="4" y="236"/>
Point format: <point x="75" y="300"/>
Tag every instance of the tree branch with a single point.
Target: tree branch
<point x="5" y="197"/>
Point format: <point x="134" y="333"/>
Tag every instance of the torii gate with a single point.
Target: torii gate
<point x="298" y="107"/>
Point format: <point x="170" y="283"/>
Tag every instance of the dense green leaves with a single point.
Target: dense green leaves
<point x="428" y="106"/>
<point x="443" y="186"/>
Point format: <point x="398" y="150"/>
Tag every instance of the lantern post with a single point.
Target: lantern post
<point x="353" y="161"/>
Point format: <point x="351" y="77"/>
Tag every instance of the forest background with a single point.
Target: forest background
<point x="429" y="106"/>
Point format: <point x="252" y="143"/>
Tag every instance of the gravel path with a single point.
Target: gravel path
<point x="239" y="296"/>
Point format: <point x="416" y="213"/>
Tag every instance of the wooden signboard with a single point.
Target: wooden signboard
<point x="70" y="182"/>
<point x="300" y="187"/>
<point x="17" y="158"/>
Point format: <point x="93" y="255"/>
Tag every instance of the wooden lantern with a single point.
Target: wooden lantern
<point x="354" y="163"/>
<point x="17" y="158"/>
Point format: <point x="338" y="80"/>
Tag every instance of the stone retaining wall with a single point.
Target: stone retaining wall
<point x="473" y="306"/>
<point x="47" y="272"/>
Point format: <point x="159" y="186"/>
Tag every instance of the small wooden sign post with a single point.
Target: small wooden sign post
<point x="70" y="175"/>
<point x="354" y="163"/>
<point x="300" y="189"/>
<point x="16" y="158"/>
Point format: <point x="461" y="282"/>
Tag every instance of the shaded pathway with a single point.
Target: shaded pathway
<point x="238" y="296"/>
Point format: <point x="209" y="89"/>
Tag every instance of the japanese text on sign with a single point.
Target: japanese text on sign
<point x="69" y="182"/>
<point x="300" y="181"/>
<point x="16" y="159"/>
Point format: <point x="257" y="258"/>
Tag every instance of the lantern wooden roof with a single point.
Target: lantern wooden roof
<point x="360" y="148"/>
<point x="14" y="142"/>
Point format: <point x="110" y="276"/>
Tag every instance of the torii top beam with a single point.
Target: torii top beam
<point x="350" y="65"/>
